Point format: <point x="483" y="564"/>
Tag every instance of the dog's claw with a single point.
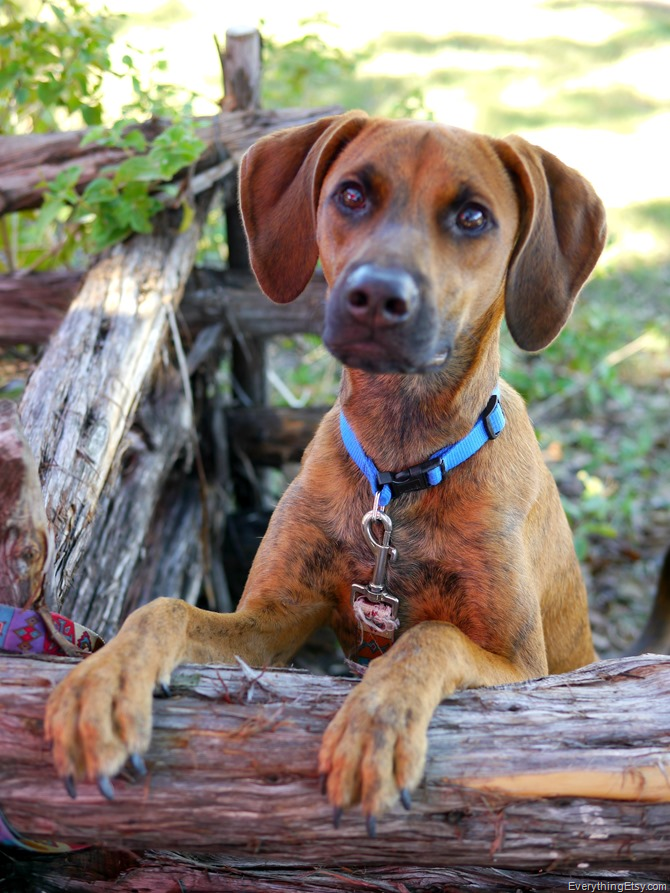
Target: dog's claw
<point x="70" y="786"/>
<point x="406" y="799"/>
<point x="371" y="825"/>
<point x="323" y="781"/>
<point x="337" y="815"/>
<point x="138" y="764"/>
<point x="163" y="690"/>
<point x="106" y="787"/>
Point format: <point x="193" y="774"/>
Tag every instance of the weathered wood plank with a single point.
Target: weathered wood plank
<point x="27" y="161"/>
<point x="233" y="299"/>
<point x="99" y="871"/>
<point x="273" y="436"/>
<point x="124" y="517"/>
<point x="80" y="401"/>
<point x="552" y="773"/>
<point x="32" y="306"/>
<point x="25" y="538"/>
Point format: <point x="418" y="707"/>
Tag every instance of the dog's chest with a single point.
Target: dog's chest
<point x="432" y="565"/>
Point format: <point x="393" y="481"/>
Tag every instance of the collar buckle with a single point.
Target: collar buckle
<point x="493" y="418"/>
<point x="410" y="480"/>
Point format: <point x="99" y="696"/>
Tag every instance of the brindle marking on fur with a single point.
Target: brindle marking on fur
<point x="489" y="585"/>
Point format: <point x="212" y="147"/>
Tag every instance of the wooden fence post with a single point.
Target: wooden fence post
<point x="241" y="63"/>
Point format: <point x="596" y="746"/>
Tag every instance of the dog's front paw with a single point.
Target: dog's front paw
<point x="374" y="750"/>
<point x="100" y="716"/>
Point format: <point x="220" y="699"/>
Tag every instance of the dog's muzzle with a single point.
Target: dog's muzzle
<point x="377" y="319"/>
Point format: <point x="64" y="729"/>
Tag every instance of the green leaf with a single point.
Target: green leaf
<point x="66" y="180"/>
<point x="188" y="214"/>
<point x="92" y="114"/>
<point x="99" y="191"/>
<point x="144" y="168"/>
<point x="8" y="75"/>
<point x="58" y="12"/>
<point x="48" y="214"/>
<point x="135" y="140"/>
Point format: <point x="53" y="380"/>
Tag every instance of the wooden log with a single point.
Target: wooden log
<point x="553" y="774"/>
<point x="232" y="299"/>
<point x="28" y="161"/>
<point x="32" y="306"/>
<point x="272" y="436"/>
<point x="81" y="400"/>
<point x="98" y="871"/>
<point x="241" y="62"/>
<point x="241" y="66"/>
<point x="25" y="539"/>
<point x="172" y="560"/>
<point x="124" y="516"/>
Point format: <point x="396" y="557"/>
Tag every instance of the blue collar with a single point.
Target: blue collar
<point x="431" y="472"/>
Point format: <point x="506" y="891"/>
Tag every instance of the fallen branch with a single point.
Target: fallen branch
<point x="25" y="538"/>
<point x="33" y="306"/>
<point x="548" y="774"/>
<point x="81" y="400"/>
<point x="28" y="161"/>
<point x="273" y="436"/>
<point x="98" y="871"/>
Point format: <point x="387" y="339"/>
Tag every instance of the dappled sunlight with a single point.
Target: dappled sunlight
<point x="587" y="81"/>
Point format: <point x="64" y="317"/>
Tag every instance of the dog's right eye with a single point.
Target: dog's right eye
<point x="472" y="219"/>
<point x="351" y="197"/>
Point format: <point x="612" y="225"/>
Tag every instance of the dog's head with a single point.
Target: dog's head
<point x="424" y="233"/>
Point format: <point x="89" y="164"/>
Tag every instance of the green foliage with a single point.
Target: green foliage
<point x="51" y="73"/>
<point x="305" y="71"/>
<point x="52" y="65"/>
<point x="596" y="391"/>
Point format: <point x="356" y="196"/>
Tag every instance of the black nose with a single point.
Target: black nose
<point x="381" y="296"/>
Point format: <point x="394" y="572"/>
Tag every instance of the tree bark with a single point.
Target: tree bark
<point x="552" y="774"/>
<point x="99" y="871"/>
<point x="272" y="436"/>
<point x="234" y="300"/>
<point x="27" y="161"/>
<point x="80" y="402"/>
<point x="32" y="306"/>
<point x="25" y="539"/>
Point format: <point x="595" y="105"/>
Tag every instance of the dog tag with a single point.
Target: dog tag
<point x="376" y="609"/>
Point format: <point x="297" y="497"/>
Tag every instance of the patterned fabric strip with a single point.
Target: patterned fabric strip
<point x="24" y="632"/>
<point x="372" y="645"/>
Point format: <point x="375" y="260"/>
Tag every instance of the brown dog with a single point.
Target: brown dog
<point x="427" y="235"/>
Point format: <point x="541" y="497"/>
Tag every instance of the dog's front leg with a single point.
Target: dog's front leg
<point x="100" y="715"/>
<point x="374" y="750"/>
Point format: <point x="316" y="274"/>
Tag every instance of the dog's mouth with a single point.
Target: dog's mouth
<point x="373" y="356"/>
<point x="439" y="360"/>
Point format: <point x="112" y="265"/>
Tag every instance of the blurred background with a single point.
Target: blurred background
<point x="589" y="81"/>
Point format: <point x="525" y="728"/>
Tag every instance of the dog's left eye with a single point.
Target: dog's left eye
<point x="351" y="196"/>
<point x="473" y="218"/>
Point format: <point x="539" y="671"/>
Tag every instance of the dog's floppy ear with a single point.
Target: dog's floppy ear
<point x="280" y="180"/>
<point x="561" y="235"/>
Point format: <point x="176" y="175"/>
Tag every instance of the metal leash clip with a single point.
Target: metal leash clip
<point x="374" y="607"/>
<point x="375" y="591"/>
